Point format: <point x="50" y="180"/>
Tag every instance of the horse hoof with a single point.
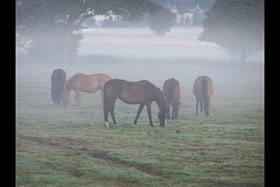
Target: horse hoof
<point x="106" y="124"/>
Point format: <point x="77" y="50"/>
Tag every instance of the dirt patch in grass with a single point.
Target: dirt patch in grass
<point x="148" y="169"/>
<point x="62" y="144"/>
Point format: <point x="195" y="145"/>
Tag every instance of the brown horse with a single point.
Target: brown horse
<point x="141" y="92"/>
<point x="171" y="92"/>
<point x="203" y="89"/>
<point x="84" y="83"/>
<point x="58" y="80"/>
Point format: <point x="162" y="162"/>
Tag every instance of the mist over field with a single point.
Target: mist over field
<point x="59" y="146"/>
<point x="142" y="43"/>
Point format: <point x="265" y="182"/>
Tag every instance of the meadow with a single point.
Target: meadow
<point x="70" y="147"/>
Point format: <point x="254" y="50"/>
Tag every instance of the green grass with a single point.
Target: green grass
<point x="68" y="147"/>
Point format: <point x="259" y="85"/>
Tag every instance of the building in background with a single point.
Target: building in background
<point x="188" y="12"/>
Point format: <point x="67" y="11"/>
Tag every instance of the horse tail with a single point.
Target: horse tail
<point x="52" y="88"/>
<point x="171" y="92"/>
<point x="61" y="84"/>
<point x="205" y="92"/>
<point x="105" y="104"/>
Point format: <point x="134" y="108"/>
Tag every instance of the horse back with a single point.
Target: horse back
<point x="130" y="92"/>
<point x="88" y="83"/>
<point x="171" y="89"/>
<point x="198" y="86"/>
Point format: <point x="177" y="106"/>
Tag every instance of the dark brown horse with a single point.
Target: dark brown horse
<point x="58" y="80"/>
<point x="171" y="92"/>
<point x="202" y="90"/>
<point x="84" y="83"/>
<point x="141" y="92"/>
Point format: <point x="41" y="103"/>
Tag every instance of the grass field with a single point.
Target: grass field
<point x="69" y="147"/>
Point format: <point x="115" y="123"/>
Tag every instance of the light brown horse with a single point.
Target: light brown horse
<point x="171" y="92"/>
<point x="141" y="92"/>
<point x="203" y="89"/>
<point x="84" y="83"/>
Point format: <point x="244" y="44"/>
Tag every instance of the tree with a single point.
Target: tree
<point x="161" y="21"/>
<point x="237" y="26"/>
<point x="198" y="16"/>
<point x="205" y="4"/>
<point x="54" y="26"/>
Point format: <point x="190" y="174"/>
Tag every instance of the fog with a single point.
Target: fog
<point x="138" y="54"/>
<point x="142" y="43"/>
<point x="180" y="42"/>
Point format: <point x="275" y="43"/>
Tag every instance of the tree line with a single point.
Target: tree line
<point x="51" y="28"/>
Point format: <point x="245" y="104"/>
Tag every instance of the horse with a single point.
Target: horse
<point x="84" y="83"/>
<point x="171" y="92"/>
<point x="58" y="80"/>
<point x="141" y="92"/>
<point x="203" y="90"/>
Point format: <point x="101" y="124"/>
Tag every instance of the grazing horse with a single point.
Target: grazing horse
<point x="84" y="83"/>
<point x="171" y="92"/>
<point x="58" y="80"/>
<point x="202" y="90"/>
<point x="141" y="92"/>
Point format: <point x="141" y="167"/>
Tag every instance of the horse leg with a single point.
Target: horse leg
<point x="106" y="112"/>
<point x="59" y="98"/>
<point x="112" y="109"/>
<point x="141" y="106"/>
<point x="102" y="95"/>
<point x="173" y="111"/>
<point x="206" y="107"/>
<point x="176" y="112"/>
<point x="201" y="108"/>
<point x="207" y="112"/>
<point x="148" y="106"/>
<point x="197" y="101"/>
<point x="78" y="98"/>
<point x="168" y="110"/>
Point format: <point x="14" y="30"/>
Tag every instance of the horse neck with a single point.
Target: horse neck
<point x="67" y="89"/>
<point x="160" y="100"/>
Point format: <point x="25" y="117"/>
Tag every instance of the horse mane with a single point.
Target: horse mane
<point x="160" y="98"/>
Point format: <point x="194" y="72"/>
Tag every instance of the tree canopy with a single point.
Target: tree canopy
<point x="60" y="20"/>
<point x="235" y="25"/>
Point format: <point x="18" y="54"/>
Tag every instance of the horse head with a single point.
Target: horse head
<point x="65" y="99"/>
<point x="177" y="106"/>
<point x="162" y="115"/>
